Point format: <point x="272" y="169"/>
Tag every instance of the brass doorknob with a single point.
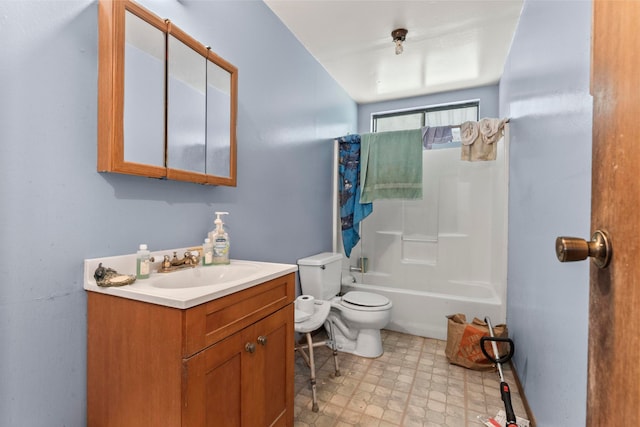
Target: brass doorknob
<point x="576" y="249"/>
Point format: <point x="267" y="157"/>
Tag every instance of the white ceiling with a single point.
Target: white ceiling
<point x="451" y="44"/>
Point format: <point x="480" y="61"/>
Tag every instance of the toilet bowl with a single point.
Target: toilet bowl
<point x="356" y="318"/>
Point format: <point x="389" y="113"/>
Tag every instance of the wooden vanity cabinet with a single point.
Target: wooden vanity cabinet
<point x="225" y="363"/>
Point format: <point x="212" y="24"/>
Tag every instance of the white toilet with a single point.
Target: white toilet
<point x="356" y="317"/>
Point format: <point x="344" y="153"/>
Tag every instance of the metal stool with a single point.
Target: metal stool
<point x="305" y="324"/>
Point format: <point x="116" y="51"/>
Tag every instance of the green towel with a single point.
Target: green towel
<point x="391" y="165"/>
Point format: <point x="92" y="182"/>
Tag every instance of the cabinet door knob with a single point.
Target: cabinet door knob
<point x="250" y="347"/>
<point x="262" y="340"/>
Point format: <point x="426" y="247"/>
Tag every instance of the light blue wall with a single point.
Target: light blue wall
<point x="545" y="91"/>
<point x="56" y="210"/>
<point x="488" y="96"/>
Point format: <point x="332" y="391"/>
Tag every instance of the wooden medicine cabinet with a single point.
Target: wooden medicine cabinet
<point x="166" y="103"/>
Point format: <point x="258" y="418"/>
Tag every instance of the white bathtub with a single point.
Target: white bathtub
<point x="425" y="313"/>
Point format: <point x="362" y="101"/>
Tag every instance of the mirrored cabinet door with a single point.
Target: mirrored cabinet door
<point x="201" y="112"/>
<point x="131" y="81"/>
<point x="221" y="109"/>
<point x="144" y="99"/>
<point x="186" y="107"/>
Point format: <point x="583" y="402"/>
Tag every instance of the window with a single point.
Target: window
<point x="442" y="115"/>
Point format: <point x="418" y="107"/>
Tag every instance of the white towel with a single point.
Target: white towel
<point x="491" y="130"/>
<point x="469" y="132"/>
<point x="478" y="139"/>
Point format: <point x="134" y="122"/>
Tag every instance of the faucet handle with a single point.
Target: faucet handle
<point x="166" y="263"/>
<point x="192" y="257"/>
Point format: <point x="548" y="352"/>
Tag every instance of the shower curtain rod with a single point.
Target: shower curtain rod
<point x="458" y="126"/>
<point x="451" y="126"/>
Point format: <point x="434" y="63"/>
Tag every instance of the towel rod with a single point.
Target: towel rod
<point x="458" y="126"/>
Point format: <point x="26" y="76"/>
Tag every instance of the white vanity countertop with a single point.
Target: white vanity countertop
<point x="184" y="288"/>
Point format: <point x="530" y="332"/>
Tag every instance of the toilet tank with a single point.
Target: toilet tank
<point x="320" y="275"/>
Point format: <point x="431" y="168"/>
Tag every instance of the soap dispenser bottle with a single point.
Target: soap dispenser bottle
<point x="220" y="241"/>
<point x="143" y="262"/>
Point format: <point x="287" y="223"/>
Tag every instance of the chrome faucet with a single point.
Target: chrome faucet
<point x="362" y="265"/>
<point x="189" y="260"/>
<point x="349" y="278"/>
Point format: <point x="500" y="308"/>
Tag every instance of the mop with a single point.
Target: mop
<point x="505" y="392"/>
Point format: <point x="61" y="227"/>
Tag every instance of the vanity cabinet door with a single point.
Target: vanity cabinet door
<point x="244" y="380"/>
<point x="213" y="392"/>
<point x="272" y="366"/>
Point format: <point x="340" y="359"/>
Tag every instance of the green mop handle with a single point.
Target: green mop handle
<point x="505" y="393"/>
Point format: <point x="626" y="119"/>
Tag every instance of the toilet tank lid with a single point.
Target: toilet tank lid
<point x="320" y="259"/>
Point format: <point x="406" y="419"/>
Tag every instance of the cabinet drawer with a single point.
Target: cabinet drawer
<point x="208" y="323"/>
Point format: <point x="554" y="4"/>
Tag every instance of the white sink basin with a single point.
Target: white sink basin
<point x="184" y="288"/>
<point x="206" y="276"/>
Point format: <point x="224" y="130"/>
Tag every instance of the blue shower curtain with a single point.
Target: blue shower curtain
<point x="351" y="211"/>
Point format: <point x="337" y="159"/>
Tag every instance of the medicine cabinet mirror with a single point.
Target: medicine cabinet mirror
<point x="166" y="103"/>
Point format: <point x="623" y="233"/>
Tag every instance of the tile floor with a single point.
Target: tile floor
<point x="411" y="384"/>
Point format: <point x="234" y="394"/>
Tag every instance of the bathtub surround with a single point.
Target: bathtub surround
<point x="444" y="254"/>
<point x="451" y="258"/>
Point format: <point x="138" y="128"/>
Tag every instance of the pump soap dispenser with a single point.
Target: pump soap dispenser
<point x="220" y="240"/>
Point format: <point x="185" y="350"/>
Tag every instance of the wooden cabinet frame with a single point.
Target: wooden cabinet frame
<point x="111" y="84"/>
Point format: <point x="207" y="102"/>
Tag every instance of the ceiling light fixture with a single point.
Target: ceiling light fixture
<point x="398" y="37"/>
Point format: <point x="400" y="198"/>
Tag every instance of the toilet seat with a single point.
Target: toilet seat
<point x="365" y="301"/>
